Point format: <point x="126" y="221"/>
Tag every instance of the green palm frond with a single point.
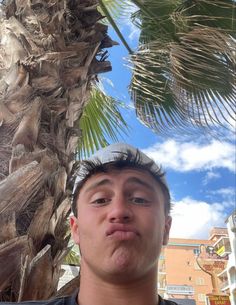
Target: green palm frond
<point x="101" y="121"/>
<point x="73" y="257"/>
<point x="114" y="9"/>
<point x="184" y="70"/>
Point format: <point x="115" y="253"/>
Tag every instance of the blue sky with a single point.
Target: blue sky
<point x="200" y="171"/>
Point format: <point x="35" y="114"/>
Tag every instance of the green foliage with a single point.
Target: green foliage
<point x="101" y="120"/>
<point x="116" y="8"/>
<point x="184" y="69"/>
<point x="73" y="257"/>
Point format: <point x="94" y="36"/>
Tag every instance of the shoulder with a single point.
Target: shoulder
<point x="166" y="302"/>
<point x="67" y="300"/>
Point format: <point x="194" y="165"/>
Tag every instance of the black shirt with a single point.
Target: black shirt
<point x="71" y="300"/>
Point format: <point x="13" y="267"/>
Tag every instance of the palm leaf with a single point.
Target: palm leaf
<point x="101" y="121"/>
<point x="113" y="9"/>
<point x="73" y="257"/>
<point x="116" y="8"/>
<point x="184" y="69"/>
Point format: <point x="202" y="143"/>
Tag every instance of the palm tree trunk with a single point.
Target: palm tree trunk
<point x="49" y="54"/>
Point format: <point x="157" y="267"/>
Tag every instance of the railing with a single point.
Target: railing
<point x="222" y="246"/>
<point x="225" y="249"/>
<point x="180" y="289"/>
<point x="161" y="286"/>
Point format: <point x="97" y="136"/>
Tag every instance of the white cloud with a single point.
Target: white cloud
<point x="210" y="176"/>
<point x="134" y="32"/>
<point x="227" y="194"/>
<point x="228" y="191"/>
<point x="194" y="219"/>
<point x="189" y="156"/>
<point x="124" y="21"/>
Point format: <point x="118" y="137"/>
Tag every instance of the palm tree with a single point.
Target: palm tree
<point x="184" y="70"/>
<point x="50" y="54"/>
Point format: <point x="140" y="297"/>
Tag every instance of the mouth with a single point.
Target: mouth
<point x="122" y="233"/>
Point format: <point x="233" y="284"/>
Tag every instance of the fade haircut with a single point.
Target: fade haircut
<point x="124" y="160"/>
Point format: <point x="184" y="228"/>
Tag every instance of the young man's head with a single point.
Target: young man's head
<point x="119" y="156"/>
<point x="121" y="206"/>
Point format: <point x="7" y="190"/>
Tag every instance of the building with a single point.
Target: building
<point x="231" y="267"/>
<point x="223" y="249"/>
<point x="226" y="246"/>
<point x="68" y="272"/>
<point x="180" y="277"/>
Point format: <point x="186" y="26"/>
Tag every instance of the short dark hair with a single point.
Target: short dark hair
<point x="128" y="160"/>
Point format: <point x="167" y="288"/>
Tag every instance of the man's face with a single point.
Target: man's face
<point x="121" y="224"/>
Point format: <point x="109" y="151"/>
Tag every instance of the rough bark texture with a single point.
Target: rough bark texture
<point x="49" y="54"/>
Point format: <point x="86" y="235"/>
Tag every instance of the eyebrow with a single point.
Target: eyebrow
<point x="97" y="184"/>
<point x="140" y="182"/>
<point x="129" y="180"/>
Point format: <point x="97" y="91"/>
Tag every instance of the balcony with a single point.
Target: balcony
<point x="161" y="288"/>
<point x="180" y="289"/>
<point x="222" y="246"/>
<point x="232" y="222"/>
<point x="161" y="276"/>
<point x="161" y="268"/>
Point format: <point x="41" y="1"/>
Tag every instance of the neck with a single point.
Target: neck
<point x="97" y="291"/>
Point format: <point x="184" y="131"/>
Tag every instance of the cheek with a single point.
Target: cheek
<point x="149" y="227"/>
<point x="86" y="229"/>
<point x="155" y="229"/>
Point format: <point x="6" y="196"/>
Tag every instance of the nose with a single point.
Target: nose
<point x="120" y="210"/>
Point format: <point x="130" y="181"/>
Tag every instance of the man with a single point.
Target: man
<point x="121" y="220"/>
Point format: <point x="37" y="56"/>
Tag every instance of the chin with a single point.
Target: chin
<point x="122" y="259"/>
<point x="123" y="268"/>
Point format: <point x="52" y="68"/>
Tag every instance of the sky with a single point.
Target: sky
<point x="200" y="171"/>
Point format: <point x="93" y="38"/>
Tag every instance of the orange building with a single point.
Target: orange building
<point x="179" y="275"/>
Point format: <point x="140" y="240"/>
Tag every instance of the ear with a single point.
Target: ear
<point x="74" y="229"/>
<point x="168" y="221"/>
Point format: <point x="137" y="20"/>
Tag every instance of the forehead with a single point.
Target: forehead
<point x="121" y="176"/>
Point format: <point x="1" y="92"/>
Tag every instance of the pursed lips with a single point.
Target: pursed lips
<point x="122" y="232"/>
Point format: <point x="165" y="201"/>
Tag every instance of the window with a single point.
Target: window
<point x="180" y="289"/>
<point x="200" y="281"/>
<point x="201" y="297"/>
<point x="196" y="251"/>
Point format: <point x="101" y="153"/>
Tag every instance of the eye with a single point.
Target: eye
<point x="139" y="200"/>
<point x="101" y="201"/>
